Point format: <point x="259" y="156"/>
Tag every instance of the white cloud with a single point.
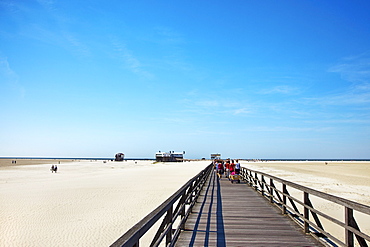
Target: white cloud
<point x="168" y="35"/>
<point x="281" y="89"/>
<point x="288" y="129"/>
<point x="241" y="111"/>
<point x="9" y="76"/>
<point x="355" y="69"/>
<point x="76" y="45"/>
<point x="129" y="60"/>
<point x="48" y="4"/>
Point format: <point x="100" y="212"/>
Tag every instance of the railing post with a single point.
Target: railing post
<point x="306" y="212"/>
<point x="271" y="191"/>
<point x="169" y="224"/>
<point x="284" y="198"/>
<point x="255" y="181"/>
<point x="262" y="186"/>
<point x="191" y="195"/>
<point x="349" y="220"/>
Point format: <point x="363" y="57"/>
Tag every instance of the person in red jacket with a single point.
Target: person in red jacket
<point x="232" y="166"/>
<point x="227" y="168"/>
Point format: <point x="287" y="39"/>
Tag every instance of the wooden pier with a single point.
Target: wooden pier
<point x="259" y="211"/>
<point x="230" y="214"/>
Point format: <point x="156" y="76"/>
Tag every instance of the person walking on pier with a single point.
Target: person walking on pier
<point x="227" y="169"/>
<point x="220" y="169"/>
<point x="232" y="166"/>
<point x="237" y="167"/>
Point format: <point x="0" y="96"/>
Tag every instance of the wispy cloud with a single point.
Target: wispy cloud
<point x="281" y="89"/>
<point x="288" y="129"/>
<point x="48" y="4"/>
<point x="355" y="69"/>
<point x="217" y="107"/>
<point x="9" y="76"/>
<point x="241" y="111"/>
<point x="76" y="45"/>
<point x="53" y="27"/>
<point x="128" y="59"/>
<point x="168" y="35"/>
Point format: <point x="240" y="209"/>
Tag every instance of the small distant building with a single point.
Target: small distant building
<point x="215" y="156"/>
<point x="171" y="156"/>
<point x="119" y="157"/>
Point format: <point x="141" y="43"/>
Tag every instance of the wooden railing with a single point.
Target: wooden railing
<point x="265" y="184"/>
<point x="174" y="212"/>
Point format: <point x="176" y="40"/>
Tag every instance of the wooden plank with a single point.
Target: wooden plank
<point x="236" y="215"/>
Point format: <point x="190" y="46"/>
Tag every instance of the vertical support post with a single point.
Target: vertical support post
<point x="306" y="212"/>
<point x="271" y="191"/>
<point x="284" y="198"/>
<point x="255" y="181"/>
<point x="183" y="210"/>
<point x="196" y="187"/>
<point x="349" y="220"/>
<point x="263" y="185"/>
<point x="169" y="217"/>
<point x="191" y="196"/>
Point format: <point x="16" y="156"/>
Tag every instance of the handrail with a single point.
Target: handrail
<point x="184" y="200"/>
<point x="279" y="198"/>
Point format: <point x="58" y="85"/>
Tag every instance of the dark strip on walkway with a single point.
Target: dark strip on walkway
<point x="231" y="214"/>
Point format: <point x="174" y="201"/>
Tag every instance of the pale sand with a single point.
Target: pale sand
<point x="91" y="203"/>
<point x="18" y="162"/>
<point x="87" y="203"/>
<point x="346" y="179"/>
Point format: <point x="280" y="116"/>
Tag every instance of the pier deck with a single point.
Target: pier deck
<point x="229" y="214"/>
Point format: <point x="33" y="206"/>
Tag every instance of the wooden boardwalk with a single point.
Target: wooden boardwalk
<point x="236" y="215"/>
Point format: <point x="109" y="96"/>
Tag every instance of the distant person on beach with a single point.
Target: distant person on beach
<point x="54" y="169"/>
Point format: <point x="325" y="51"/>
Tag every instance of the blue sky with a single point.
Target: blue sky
<point x="247" y="79"/>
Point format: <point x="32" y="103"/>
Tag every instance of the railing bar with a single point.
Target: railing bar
<point x="164" y="233"/>
<point x="159" y="231"/>
<point x="308" y="207"/>
<point x="313" y="210"/>
<point x="344" y="202"/>
<point x="327" y="234"/>
<point x="276" y="190"/>
<point x="334" y="239"/>
<point x="314" y="215"/>
<point x="267" y="186"/>
<point x="299" y="219"/>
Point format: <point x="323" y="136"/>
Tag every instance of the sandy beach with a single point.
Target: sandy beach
<point x="87" y="203"/>
<point x="92" y="203"/>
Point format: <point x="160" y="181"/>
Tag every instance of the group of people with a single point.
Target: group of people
<point x="227" y="168"/>
<point x="54" y="168"/>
